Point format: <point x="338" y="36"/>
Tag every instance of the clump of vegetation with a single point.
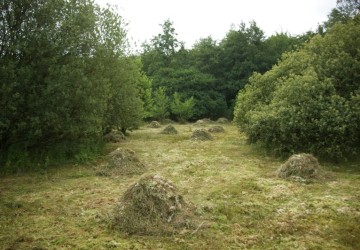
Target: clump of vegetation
<point x="182" y="109"/>
<point x="122" y="161"/>
<point x="201" y="135"/>
<point x="68" y="94"/>
<point x="154" y="124"/>
<point x="114" y="137"/>
<point x="216" y="129"/>
<point x="152" y="206"/>
<point x="169" y="130"/>
<point x="300" y="165"/>
<point x="324" y="119"/>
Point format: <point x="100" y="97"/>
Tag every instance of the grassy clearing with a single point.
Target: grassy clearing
<point x="233" y="185"/>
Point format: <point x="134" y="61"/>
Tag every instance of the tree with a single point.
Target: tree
<point x="166" y="42"/>
<point x="242" y="54"/>
<point x="161" y="104"/>
<point x="345" y="10"/>
<point x="124" y="107"/>
<point x="65" y="75"/>
<point x="205" y="56"/>
<point x="183" y="110"/>
<point x="159" y="52"/>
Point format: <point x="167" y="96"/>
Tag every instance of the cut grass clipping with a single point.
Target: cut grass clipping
<point x="122" y="161"/>
<point x="169" y="130"/>
<point x="152" y="206"/>
<point x="201" y="135"/>
<point x="305" y="166"/>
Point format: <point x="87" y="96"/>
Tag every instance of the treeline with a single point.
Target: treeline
<point x="65" y="80"/>
<point x="206" y="78"/>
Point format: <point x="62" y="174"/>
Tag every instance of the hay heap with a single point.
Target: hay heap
<point x="201" y="135"/>
<point x="122" y="161"/>
<point x="203" y="122"/>
<point x="299" y="165"/>
<point x="152" y="206"/>
<point x="154" y="124"/>
<point x="169" y="130"/>
<point x="222" y="120"/>
<point x="114" y="137"/>
<point x="216" y="129"/>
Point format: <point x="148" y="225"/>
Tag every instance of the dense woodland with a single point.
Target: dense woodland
<point x="67" y="79"/>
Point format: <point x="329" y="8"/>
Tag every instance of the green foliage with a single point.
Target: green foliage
<point x="309" y="101"/>
<point x="211" y="72"/>
<point x="161" y="104"/>
<point x="166" y="42"/>
<point x="345" y="10"/>
<point x="125" y="107"/>
<point x="183" y="110"/>
<point x="65" y="76"/>
<point x="18" y="158"/>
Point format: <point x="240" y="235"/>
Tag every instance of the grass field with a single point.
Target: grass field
<point x="242" y="203"/>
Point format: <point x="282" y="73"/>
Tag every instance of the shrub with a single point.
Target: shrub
<point x="309" y="102"/>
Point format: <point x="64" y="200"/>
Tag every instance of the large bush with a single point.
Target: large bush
<point x="309" y="102"/>
<point x="64" y="74"/>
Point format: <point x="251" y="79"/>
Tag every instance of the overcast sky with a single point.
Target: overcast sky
<point x="195" y="19"/>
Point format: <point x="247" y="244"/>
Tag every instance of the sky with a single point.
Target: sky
<point x="195" y="19"/>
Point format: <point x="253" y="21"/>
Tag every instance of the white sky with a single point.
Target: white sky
<point x="195" y="19"/>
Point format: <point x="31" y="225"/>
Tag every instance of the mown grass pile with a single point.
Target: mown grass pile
<point x="216" y="129"/>
<point x="201" y="135"/>
<point x="300" y="165"/>
<point x="152" y="206"/>
<point x="121" y="161"/>
<point x="154" y="124"/>
<point x="169" y="130"/>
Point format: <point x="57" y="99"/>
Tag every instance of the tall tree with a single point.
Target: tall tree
<point x="345" y="10"/>
<point x="63" y="70"/>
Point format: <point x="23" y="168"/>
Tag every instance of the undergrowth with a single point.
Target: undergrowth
<point x="20" y="158"/>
